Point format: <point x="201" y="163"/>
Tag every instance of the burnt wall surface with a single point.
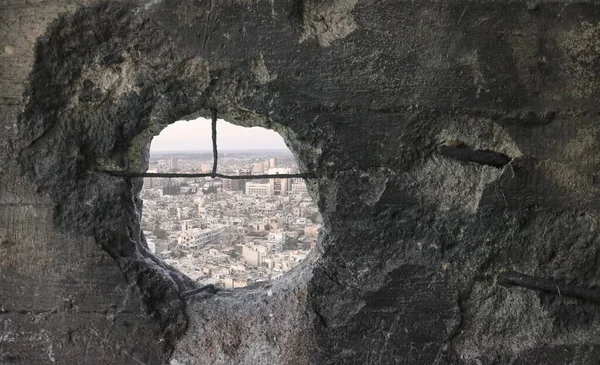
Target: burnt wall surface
<point x="456" y="151"/>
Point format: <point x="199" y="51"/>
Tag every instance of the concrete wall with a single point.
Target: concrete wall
<point x="427" y="255"/>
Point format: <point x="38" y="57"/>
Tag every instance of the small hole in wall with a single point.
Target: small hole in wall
<point x="230" y="233"/>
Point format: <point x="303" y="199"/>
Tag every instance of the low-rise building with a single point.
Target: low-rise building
<point x="259" y="189"/>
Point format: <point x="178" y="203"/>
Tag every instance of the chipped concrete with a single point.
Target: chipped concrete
<point x="581" y="45"/>
<point x="406" y="264"/>
<point x="260" y="71"/>
<point x="325" y="21"/>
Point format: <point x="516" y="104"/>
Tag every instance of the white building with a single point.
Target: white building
<point x="174" y="163"/>
<point x="278" y="170"/>
<point x="195" y="237"/>
<point x="299" y="188"/>
<point x="258" y="169"/>
<point x="252" y="256"/>
<point x="259" y="189"/>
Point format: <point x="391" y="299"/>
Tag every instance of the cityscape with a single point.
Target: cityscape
<point x="229" y="232"/>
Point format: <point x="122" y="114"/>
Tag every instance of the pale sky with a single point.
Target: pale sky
<point x="195" y="135"/>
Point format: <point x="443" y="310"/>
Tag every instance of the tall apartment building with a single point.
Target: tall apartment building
<point x="174" y="163"/>
<point x="279" y="185"/>
<point x="236" y="184"/>
<point x="150" y="182"/>
<point x="242" y="183"/>
<point x="231" y="185"/>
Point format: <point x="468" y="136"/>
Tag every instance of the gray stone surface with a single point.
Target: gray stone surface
<point x="364" y="92"/>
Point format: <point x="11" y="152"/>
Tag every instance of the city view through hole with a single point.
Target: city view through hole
<point x="230" y="233"/>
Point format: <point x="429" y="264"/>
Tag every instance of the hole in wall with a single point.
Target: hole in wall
<point x="87" y="120"/>
<point x="225" y="232"/>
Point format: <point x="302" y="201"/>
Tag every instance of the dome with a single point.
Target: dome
<point x="258" y="169"/>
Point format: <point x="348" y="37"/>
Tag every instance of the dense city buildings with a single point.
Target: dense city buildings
<point x="229" y="232"/>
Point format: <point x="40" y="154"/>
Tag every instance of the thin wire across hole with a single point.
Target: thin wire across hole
<point x="214" y="172"/>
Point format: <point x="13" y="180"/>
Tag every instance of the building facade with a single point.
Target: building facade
<point x="259" y="189"/>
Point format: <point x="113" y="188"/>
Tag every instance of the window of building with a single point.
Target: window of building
<point x="230" y="232"/>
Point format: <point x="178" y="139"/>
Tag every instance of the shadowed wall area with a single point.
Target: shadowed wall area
<point x="454" y="144"/>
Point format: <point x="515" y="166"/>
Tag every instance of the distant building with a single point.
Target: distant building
<point x="231" y="185"/>
<point x="273" y="162"/>
<point x="206" y="168"/>
<point x="252" y="257"/>
<point x="207" y="236"/>
<point x="195" y="238"/>
<point x="276" y="239"/>
<point x="298" y="186"/>
<point x="243" y="182"/>
<point x="188" y="189"/>
<point x="186" y="225"/>
<point x="159" y="182"/>
<point x="174" y="162"/>
<point x="259" y="226"/>
<point x="279" y="185"/>
<point x="231" y="283"/>
<point x="259" y="189"/>
<point x="148" y="183"/>
<point x="311" y="231"/>
<point x="171" y="189"/>
<point x="201" y="210"/>
<point x="187" y="237"/>
<point x="258" y="169"/>
<point x="236" y="184"/>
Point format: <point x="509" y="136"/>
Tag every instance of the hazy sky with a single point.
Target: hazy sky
<point x="195" y="135"/>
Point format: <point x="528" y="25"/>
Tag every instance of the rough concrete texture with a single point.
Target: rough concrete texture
<point x="414" y="243"/>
